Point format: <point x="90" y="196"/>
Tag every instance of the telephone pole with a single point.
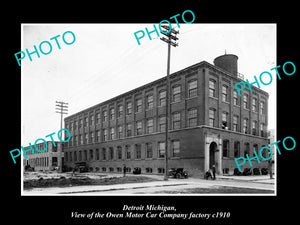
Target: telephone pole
<point x="171" y="34"/>
<point x="62" y="108"/>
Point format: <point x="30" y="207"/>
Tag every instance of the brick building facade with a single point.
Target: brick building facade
<point x="209" y="124"/>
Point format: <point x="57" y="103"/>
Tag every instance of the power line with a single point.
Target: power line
<point x="62" y="108"/>
<point x="171" y="34"/>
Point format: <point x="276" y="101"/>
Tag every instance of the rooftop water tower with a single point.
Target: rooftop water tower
<point x="227" y="62"/>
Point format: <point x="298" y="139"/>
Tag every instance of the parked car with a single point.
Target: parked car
<point x="237" y="172"/>
<point x="178" y="173"/>
<point x="264" y="171"/>
<point x="81" y="167"/>
<point x="256" y="171"/>
<point x="247" y="172"/>
<point x="136" y="170"/>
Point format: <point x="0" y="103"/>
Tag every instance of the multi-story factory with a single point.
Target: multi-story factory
<point x="209" y="124"/>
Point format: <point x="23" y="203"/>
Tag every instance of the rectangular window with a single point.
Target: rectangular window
<point x="112" y="133"/>
<point x="92" y="120"/>
<point x="245" y="101"/>
<point x="86" y="140"/>
<point x="120" y="111"/>
<point x="235" y="123"/>
<point x="149" y="128"/>
<point x="212" y="88"/>
<point x="75" y="125"/>
<point x="138" y="127"/>
<point x="128" y="151"/>
<point x="120" y="131"/>
<point x="161" y="149"/>
<point x="225" y="120"/>
<point x="225" y="148"/>
<point x="162" y="124"/>
<point x="112" y="114"/>
<point x="86" y="121"/>
<point x="128" y="130"/>
<point x="212" y="116"/>
<point x="254" y="104"/>
<point x="97" y="135"/>
<point x="111" y="153"/>
<point x="119" y="152"/>
<point x="104" y="115"/>
<point x="262" y="108"/>
<point x="192" y="88"/>
<point x="175" y="148"/>
<point x="149" y="151"/>
<point x="81" y="139"/>
<point x="262" y="130"/>
<point x="138" y="151"/>
<point x="254" y="127"/>
<point x="92" y="137"/>
<point x="149" y="102"/>
<point x="225" y="93"/>
<point x="105" y="135"/>
<point x="192" y="117"/>
<point x="176" y="92"/>
<point x="128" y="108"/>
<point x="138" y="105"/>
<point x="97" y="154"/>
<point x="235" y="98"/>
<point x="80" y="156"/>
<point x="98" y="118"/>
<point x="103" y="153"/>
<point x="162" y="98"/>
<point x="176" y="120"/>
<point x="85" y="155"/>
<point x="91" y="155"/>
<point x="245" y="126"/>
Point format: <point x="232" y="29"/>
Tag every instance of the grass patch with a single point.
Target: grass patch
<point x="79" y="181"/>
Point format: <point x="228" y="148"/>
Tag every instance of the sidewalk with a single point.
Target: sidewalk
<point x="259" y="178"/>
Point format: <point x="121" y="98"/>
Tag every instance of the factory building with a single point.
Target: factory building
<point x="50" y="159"/>
<point x="210" y="124"/>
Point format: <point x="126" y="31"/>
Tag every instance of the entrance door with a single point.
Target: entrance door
<point x="212" y="151"/>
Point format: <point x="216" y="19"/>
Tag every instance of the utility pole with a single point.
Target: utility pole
<point x="62" y="108"/>
<point x="170" y="35"/>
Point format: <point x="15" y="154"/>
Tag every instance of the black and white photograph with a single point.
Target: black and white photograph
<point x="167" y="118"/>
<point x="111" y="94"/>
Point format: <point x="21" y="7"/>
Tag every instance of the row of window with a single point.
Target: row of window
<point x="237" y="149"/>
<point x="140" y="128"/>
<point x="125" y="152"/>
<point x="120" y="169"/>
<point x="149" y="104"/>
<point x="147" y="127"/>
<point x="236" y="98"/>
<point x="42" y="162"/>
<point x="244" y="128"/>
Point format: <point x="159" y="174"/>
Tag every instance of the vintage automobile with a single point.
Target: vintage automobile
<point x="81" y="167"/>
<point x="136" y="170"/>
<point x="178" y="173"/>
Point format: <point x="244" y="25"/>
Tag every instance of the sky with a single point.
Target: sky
<point x="105" y="61"/>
